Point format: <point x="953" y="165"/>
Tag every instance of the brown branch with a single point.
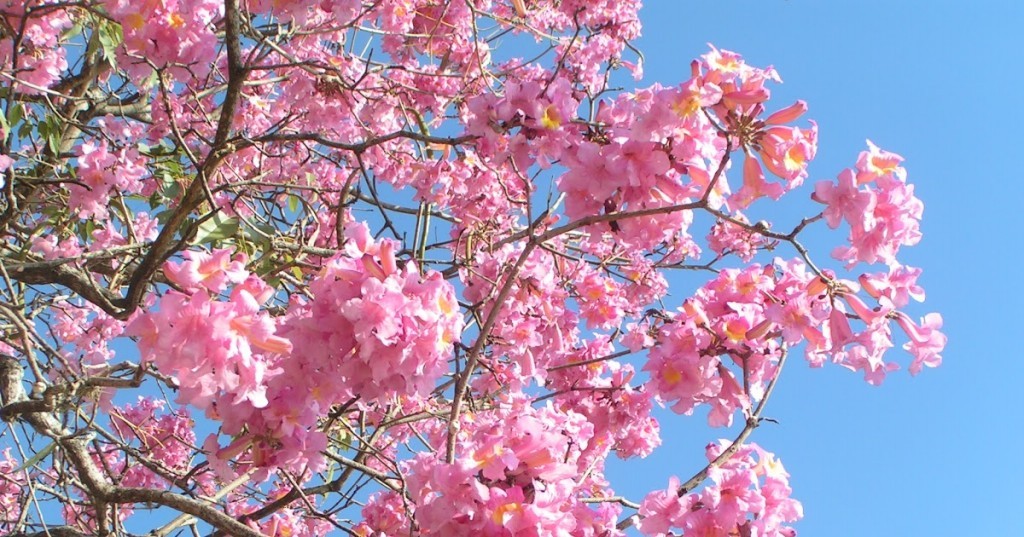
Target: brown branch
<point x="790" y="237"/>
<point x="611" y="356"/>
<point x="613" y="499"/>
<point x="74" y="446"/>
<point x="165" y="244"/>
<point x="70" y="277"/>
<point x="474" y="353"/>
<point x="57" y="531"/>
<point x="599" y="218"/>
<point x="360" y="147"/>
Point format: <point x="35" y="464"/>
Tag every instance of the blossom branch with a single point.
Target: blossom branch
<point x="752" y="422"/>
<point x="74" y="445"/>
<point x="473" y="356"/>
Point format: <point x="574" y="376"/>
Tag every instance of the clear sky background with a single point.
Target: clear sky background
<point x="939" y="82"/>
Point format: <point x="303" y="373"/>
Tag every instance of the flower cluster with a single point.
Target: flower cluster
<point x="11" y="487"/>
<point x="233" y="186"/>
<point x="602" y="391"/>
<point x="88" y="333"/>
<point x="176" y="34"/>
<point x="222" y="352"/>
<point x="40" y="57"/>
<point x="748" y="494"/>
<point x="102" y="172"/>
<point x="732" y="321"/>
<point x="516" y="474"/>
<point x="164" y="437"/>
<point x="883" y="215"/>
<point x="372" y="333"/>
<point x="373" y="330"/>
<point x="730" y="238"/>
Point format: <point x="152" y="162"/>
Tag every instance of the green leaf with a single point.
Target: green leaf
<point x="75" y="30"/>
<point x="36" y="458"/>
<point x="331" y="468"/>
<point x="110" y="36"/>
<point x="25" y="130"/>
<point x="15" y="114"/>
<point x="163" y="216"/>
<point x="217" y="228"/>
<point x="169" y="187"/>
<point x="50" y="129"/>
<point x="86" y="229"/>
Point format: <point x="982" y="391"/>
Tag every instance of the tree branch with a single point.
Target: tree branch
<point x="753" y="421"/>
<point x="74" y="446"/>
<point x="165" y="244"/>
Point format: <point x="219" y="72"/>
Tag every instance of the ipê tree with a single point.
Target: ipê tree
<point x="313" y="267"/>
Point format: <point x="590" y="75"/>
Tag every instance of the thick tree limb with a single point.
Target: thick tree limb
<point x="75" y="449"/>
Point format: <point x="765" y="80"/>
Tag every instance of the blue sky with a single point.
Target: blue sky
<point x="938" y="82"/>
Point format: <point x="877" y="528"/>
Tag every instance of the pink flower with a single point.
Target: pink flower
<point x="591" y="180"/>
<point x="844" y="200"/>
<point x="151" y="429"/>
<point x="727" y="237"/>
<point x="749" y="490"/>
<point x="732" y="495"/>
<point x="754" y="185"/>
<point x="876" y="163"/>
<point x="695" y="94"/>
<point x="213" y="271"/>
<point x="661" y="510"/>
<point x="11" y="486"/>
<point x="926" y="342"/>
<point x="788" y="114"/>
<point x="786" y="151"/>
<point x="379" y="330"/>
<point x="899" y="285"/>
<point x="171" y="33"/>
<point x="839" y="329"/>
<point x="866" y="314"/>
<point x="208" y="347"/>
<point x="602" y="303"/>
<point x="5" y="162"/>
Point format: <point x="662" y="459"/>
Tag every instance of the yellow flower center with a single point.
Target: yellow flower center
<point x="671" y="375"/>
<point x="135" y="21"/>
<point x="175" y="20"/>
<point x="504" y="512"/>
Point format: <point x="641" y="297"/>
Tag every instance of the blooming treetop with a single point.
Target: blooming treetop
<point x="294" y="268"/>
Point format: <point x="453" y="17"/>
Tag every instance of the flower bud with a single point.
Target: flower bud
<point x="817" y="286"/>
<point x="790" y="113"/>
<point x="862" y="310"/>
<point x="759" y="330"/>
<point x="520" y="7"/>
<point x="869" y="286"/>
